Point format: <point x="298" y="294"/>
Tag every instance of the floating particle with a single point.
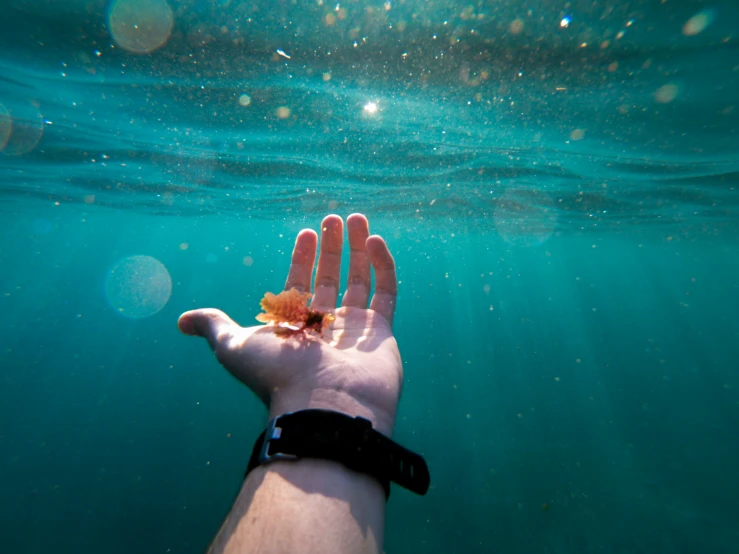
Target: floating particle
<point x="282" y="53"/>
<point x="565" y="22"/>
<point x="283" y="112"/>
<point x="184" y="246"/>
<point x="138" y="286"/>
<point x="5" y="127"/>
<point x="516" y="26"/>
<point x="666" y="93"/>
<point x="248" y="261"/>
<point x="698" y="23"/>
<point x="140" y="26"/>
<point x="244" y="100"/>
<point x="577" y="134"/>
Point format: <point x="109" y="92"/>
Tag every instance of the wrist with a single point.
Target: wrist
<point x="318" y="476"/>
<point x="382" y="420"/>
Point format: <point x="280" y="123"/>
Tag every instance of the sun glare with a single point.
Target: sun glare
<point x="370" y="108"/>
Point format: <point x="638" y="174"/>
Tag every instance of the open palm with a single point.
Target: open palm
<point x="355" y="368"/>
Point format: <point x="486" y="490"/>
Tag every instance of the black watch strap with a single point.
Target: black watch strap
<point x="349" y="440"/>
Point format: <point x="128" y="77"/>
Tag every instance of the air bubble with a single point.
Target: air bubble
<point x="138" y="286"/>
<point x="140" y="26"/>
<point x="525" y="217"/>
<point x="20" y="130"/>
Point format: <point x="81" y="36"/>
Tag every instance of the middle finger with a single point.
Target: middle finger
<point x="326" y="287"/>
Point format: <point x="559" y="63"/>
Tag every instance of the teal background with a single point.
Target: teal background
<point x="567" y="309"/>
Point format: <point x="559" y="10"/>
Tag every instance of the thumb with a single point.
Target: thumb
<point x="213" y="325"/>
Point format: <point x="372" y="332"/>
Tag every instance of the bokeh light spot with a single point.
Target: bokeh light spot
<point x="138" y="286"/>
<point x="6" y="127"/>
<point x="577" y="134"/>
<point x="666" y="93"/>
<point x="525" y="217"/>
<point x="140" y="26"/>
<point x="26" y="128"/>
<point x="698" y="23"/>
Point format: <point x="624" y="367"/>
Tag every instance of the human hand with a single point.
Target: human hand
<point x="355" y="368"/>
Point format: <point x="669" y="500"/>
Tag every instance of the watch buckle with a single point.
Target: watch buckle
<point x="273" y="432"/>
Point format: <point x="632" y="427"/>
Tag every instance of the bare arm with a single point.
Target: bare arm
<point x="305" y="506"/>
<point x="316" y="505"/>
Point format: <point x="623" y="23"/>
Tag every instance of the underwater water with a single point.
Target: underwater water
<point x="556" y="181"/>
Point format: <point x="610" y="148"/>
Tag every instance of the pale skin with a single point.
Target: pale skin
<point x="316" y="505"/>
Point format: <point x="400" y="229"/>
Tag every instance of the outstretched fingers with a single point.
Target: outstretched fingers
<point x="366" y="253"/>
<point x="358" y="282"/>
<point x="386" y="282"/>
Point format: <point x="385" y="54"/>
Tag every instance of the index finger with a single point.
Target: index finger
<point x="303" y="259"/>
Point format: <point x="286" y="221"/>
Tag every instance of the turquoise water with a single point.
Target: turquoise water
<point x="556" y="183"/>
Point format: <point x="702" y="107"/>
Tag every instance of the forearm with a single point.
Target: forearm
<point x="305" y="506"/>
